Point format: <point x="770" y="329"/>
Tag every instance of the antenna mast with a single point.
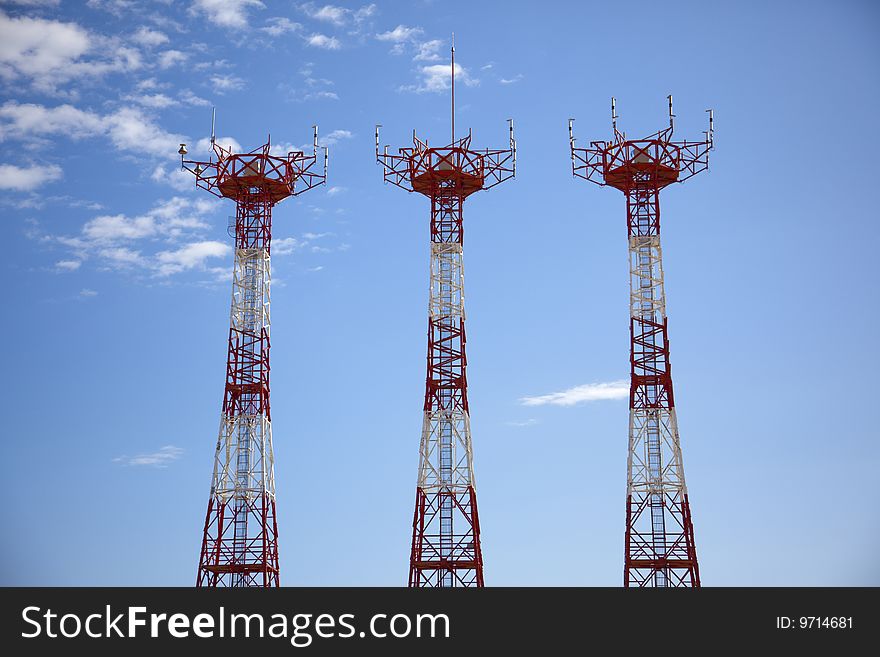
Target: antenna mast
<point x="453" y="87"/>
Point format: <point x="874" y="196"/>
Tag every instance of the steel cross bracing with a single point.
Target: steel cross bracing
<point x="659" y="538"/>
<point x="446" y="549"/>
<point x="240" y="539"/>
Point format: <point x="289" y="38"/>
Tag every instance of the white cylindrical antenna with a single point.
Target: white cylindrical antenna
<point x="213" y="120"/>
<point x="710" y="135"/>
<point x="671" y="115"/>
<point x="315" y="127"/>
<point x="614" y="113"/>
<point x="512" y="144"/>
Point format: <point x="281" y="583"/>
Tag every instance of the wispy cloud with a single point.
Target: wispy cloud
<point x="129" y="128"/>
<point x="336" y="15"/>
<point x="169" y="58"/>
<point x="27" y="178"/>
<point x="50" y="53"/>
<point x="318" y="40"/>
<point x="523" y="423"/>
<point x="316" y="87"/>
<point x="400" y="34"/>
<point x="437" y="78"/>
<point x="289" y="245"/>
<point x="334" y="137"/>
<point x="149" y="38"/>
<point x="280" y="25"/>
<point x="189" y="256"/>
<point x="224" y="83"/>
<point x="226" y="13"/>
<point x="67" y="265"/>
<point x="157" y="459"/>
<point x="580" y="394"/>
<point x="87" y="293"/>
<point x="513" y="80"/>
<point x="168" y="239"/>
<point x="427" y="51"/>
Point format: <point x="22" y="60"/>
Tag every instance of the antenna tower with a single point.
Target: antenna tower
<point x="659" y="540"/>
<point x="240" y="537"/>
<point x="446" y="548"/>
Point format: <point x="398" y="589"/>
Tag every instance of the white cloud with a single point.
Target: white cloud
<point x="33" y="46"/>
<point x="320" y="95"/>
<point x="187" y="97"/>
<point x="285" y="246"/>
<point x="523" y="423"/>
<point x="334" y="137"/>
<point x="149" y="38"/>
<point x="20" y="120"/>
<point x="400" y="34"/>
<point x="189" y="256"/>
<point x="115" y="7"/>
<point x="176" y="177"/>
<point x="156" y="101"/>
<point x="169" y="58"/>
<point x="427" y="51"/>
<point x="289" y="245"/>
<point x="51" y="53"/>
<point x="204" y="145"/>
<point x="224" y="83"/>
<point x="68" y="265"/>
<point x="27" y="178"/>
<point x="159" y="459"/>
<point x="279" y="26"/>
<point x="336" y="189"/>
<point x="437" y="78"/>
<point x="513" y="80"/>
<point x="119" y="242"/>
<point x="335" y="15"/>
<point x="226" y="13"/>
<point x="34" y="3"/>
<point x="323" y="41"/>
<point x="584" y="393"/>
<point x="128" y="128"/>
<point x="338" y="15"/>
<point x="86" y="292"/>
<point x="131" y="130"/>
<point x="121" y="257"/>
<point x="112" y="228"/>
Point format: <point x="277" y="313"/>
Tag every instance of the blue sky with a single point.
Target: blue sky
<point x="117" y="284"/>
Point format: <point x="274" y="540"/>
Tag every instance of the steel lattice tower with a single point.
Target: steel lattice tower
<point x="240" y="543"/>
<point x="659" y="539"/>
<point x="446" y="548"/>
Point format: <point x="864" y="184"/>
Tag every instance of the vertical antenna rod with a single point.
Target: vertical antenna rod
<point x="453" y="87"/>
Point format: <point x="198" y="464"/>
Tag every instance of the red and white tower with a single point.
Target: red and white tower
<point x="659" y="540"/>
<point x="446" y="528"/>
<point x="240" y="543"/>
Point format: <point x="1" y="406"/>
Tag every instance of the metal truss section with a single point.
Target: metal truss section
<point x="240" y="539"/>
<point x="659" y="540"/>
<point x="446" y="549"/>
